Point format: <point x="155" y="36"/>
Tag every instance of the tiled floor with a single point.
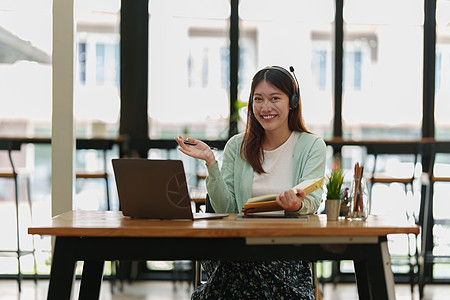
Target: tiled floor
<point x="164" y="290"/>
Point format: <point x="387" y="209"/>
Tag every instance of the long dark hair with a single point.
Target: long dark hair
<point x="251" y="147"/>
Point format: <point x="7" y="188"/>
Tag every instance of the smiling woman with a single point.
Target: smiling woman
<point x="275" y="153"/>
<point x="274" y="111"/>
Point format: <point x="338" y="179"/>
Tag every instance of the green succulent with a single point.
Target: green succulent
<point x="334" y="183"/>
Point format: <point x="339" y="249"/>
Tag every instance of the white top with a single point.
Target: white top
<point x="279" y="169"/>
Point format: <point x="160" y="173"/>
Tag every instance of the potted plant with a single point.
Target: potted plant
<point x="334" y="184"/>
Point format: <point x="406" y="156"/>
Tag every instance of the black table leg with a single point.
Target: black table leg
<point x="62" y="271"/>
<point x="91" y="280"/>
<point x="362" y="279"/>
<point x="421" y="275"/>
<point x="374" y="276"/>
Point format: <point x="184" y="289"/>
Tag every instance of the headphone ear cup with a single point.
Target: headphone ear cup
<point x="293" y="101"/>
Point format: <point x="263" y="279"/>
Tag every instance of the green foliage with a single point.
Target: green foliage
<point x="237" y="105"/>
<point x="334" y="184"/>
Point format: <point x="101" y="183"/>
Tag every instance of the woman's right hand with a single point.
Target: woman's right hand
<point x="200" y="150"/>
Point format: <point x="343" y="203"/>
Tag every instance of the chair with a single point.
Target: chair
<point x="198" y="194"/>
<point x="438" y="172"/>
<point x="103" y="146"/>
<point x="198" y="268"/>
<point x="11" y="173"/>
<point x="385" y="178"/>
<point x="389" y="149"/>
<point x="197" y="265"/>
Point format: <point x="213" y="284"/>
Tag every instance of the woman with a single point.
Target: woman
<point x="275" y="153"/>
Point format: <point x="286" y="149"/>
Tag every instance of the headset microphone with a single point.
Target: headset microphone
<point x="291" y="68"/>
<point x="296" y="95"/>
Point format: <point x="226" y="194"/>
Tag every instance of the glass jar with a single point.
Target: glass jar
<point x="359" y="200"/>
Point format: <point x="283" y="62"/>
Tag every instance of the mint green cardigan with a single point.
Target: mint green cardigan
<point x="231" y="186"/>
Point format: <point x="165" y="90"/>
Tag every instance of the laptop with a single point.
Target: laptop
<point x="154" y="189"/>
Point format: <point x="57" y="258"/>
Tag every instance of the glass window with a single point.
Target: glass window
<point x="100" y="63"/>
<point x="81" y="55"/>
<point x="96" y="96"/>
<point x="352" y="71"/>
<point x="188" y="69"/>
<point x="319" y="67"/>
<point x="25" y="101"/>
<point x="383" y="67"/>
<point x="291" y="33"/>
<point x="442" y="93"/>
<point x="442" y="161"/>
<point x="25" y="61"/>
<point x="382" y="97"/>
<point x="96" y="100"/>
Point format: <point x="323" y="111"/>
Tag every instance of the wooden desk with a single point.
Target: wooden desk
<point x="93" y="237"/>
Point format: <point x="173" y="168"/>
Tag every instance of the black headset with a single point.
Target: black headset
<point x="293" y="100"/>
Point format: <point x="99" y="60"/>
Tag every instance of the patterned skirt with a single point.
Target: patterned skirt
<point x="256" y="280"/>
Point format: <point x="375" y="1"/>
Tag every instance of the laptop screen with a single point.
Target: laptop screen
<point x="153" y="189"/>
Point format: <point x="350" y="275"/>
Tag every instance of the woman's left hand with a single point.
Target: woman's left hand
<point x="291" y="201"/>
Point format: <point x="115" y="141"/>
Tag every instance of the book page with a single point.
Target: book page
<point x="308" y="186"/>
<point x="263" y="198"/>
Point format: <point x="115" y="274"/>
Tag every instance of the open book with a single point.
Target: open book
<point x="267" y="202"/>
